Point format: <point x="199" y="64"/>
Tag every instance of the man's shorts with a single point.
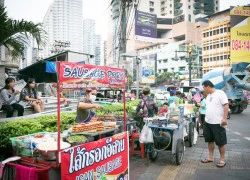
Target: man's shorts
<point x="215" y="133"/>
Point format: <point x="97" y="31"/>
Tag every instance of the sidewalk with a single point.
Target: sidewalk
<point x="164" y="168"/>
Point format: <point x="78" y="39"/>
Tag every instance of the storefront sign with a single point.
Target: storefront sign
<point x="106" y="159"/>
<point x="240" y="34"/>
<point x="76" y="76"/>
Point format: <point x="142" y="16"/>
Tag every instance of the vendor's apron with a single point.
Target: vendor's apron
<point x="91" y="114"/>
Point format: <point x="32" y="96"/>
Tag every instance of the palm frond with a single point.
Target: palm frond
<point x="14" y="32"/>
<point x="15" y="47"/>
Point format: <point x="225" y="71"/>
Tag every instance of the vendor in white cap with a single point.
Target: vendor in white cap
<point x="84" y="111"/>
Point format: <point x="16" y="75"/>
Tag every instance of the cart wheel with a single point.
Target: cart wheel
<point x="153" y="154"/>
<point x="191" y="135"/>
<point x="179" y="153"/>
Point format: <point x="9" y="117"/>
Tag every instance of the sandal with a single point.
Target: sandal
<point x="206" y="161"/>
<point x="221" y="164"/>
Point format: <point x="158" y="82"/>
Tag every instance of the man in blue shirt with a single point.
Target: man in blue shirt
<point x="173" y="98"/>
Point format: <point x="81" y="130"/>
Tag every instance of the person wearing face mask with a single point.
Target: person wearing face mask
<point x="85" y="105"/>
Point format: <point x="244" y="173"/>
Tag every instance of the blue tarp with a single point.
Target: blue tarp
<point x="50" y="67"/>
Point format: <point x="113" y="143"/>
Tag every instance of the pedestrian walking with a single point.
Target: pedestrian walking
<point x="215" y="122"/>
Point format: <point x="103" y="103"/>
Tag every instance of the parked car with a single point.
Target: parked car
<point x="162" y="95"/>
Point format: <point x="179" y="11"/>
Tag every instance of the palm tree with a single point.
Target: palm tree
<point x="14" y="34"/>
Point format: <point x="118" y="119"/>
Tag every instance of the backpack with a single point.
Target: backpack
<point x="147" y="112"/>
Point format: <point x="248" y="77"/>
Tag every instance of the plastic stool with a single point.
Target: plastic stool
<point x="135" y="136"/>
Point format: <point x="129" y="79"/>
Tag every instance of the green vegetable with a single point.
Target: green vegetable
<point x="76" y="138"/>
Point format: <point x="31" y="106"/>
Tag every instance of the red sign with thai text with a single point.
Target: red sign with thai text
<point x="74" y="76"/>
<point x="105" y="159"/>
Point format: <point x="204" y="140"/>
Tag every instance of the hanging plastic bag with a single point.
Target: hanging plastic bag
<point x="146" y="135"/>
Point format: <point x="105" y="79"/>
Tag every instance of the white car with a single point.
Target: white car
<point x="162" y="95"/>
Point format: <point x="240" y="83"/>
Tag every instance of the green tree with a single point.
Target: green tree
<point x="166" y="78"/>
<point x="14" y="33"/>
<point x="129" y="80"/>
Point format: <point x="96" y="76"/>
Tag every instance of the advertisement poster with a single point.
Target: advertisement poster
<point x="240" y="34"/>
<point x="105" y="159"/>
<point x="76" y="76"/>
<point x="145" y="25"/>
<point x="148" y="69"/>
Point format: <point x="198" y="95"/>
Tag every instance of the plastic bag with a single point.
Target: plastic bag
<point x="146" y="135"/>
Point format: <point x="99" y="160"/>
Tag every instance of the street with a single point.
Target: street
<point x="237" y="158"/>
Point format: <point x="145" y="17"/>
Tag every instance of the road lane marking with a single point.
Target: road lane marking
<point x="237" y="133"/>
<point x="247" y="138"/>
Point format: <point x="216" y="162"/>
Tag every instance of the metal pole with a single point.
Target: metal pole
<point x="137" y="79"/>
<point x="189" y="66"/>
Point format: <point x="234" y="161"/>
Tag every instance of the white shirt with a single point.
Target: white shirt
<point x="215" y="107"/>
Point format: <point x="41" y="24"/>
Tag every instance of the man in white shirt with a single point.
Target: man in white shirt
<point x="215" y="122"/>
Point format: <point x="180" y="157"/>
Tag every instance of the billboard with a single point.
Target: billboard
<point x="148" y="69"/>
<point x="145" y="25"/>
<point x="106" y="159"/>
<point x="240" y="34"/>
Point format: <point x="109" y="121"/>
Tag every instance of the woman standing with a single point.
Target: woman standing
<point x="202" y="106"/>
<point x="7" y="99"/>
<point x="29" y="97"/>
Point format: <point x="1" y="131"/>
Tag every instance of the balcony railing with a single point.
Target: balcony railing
<point x="197" y="5"/>
<point x="197" y="11"/>
<point x="178" y="5"/>
<point x="178" y="12"/>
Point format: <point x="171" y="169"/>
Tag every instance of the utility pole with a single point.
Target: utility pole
<point x="123" y="38"/>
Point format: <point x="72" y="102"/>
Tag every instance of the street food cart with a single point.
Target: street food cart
<point x="169" y="134"/>
<point x="59" y="154"/>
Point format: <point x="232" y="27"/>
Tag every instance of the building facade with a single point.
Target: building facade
<point x="216" y="41"/>
<point x="179" y="22"/>
<point x="97" y="50"/>
<point x="63" y="22"/>
<point x="89" y="36"/>
<point x="91" y="41"/>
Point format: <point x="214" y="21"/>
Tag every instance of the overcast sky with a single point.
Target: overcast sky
<point x="35" y="10"/>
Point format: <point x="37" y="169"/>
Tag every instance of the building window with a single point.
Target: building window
<point x="151" y="10"/>
<point x="170" y="12"/>
<point x="188" y="0"/>
<point x="165" y="60"/>
<point x="225" y="29"/>
<point x="162" y="9"/>
<point x="170" y="5"/>
<point x="221" y="30"/>
<point x="151" y="3"/>
<point x="189" y="17"/>
<point x="163" y="2"/>
<point x="216" y="9"/>
<point x="225" y="44"/>
<point x="221" y="45"/>
<point x="189" y="7"/>
<point x="216" y="2"/>
<point x="225" y="56"/>
<point x="211" y="33"/>
<point x="159" y="62"/>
